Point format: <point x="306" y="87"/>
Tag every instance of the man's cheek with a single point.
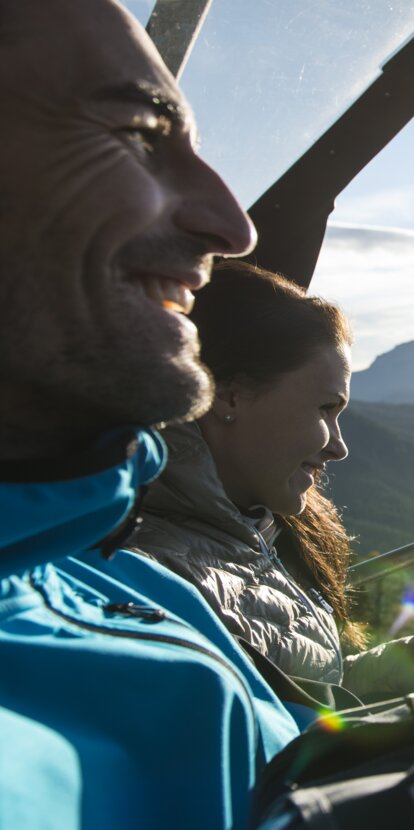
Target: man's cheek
<point x="114" y="181"/>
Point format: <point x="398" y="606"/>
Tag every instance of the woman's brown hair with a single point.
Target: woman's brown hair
<point x="254" y="326"/>
<point x="319" y="539"/>
<point x="258" y="325"/>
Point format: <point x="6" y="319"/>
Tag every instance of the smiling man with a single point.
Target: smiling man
<point x="109" y="220"/>
<point x="119" y="706"/>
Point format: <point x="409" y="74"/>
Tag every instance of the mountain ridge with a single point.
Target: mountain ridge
<point x="389" y="379"/>
<point x="374" y="486"/>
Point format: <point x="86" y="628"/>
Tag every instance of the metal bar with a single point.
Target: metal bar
<point x="379" y="566"/>
<point x="174" y="26"/>
<point x="291" y="216"/>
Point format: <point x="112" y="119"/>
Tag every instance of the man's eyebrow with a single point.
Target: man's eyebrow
<point x="137" y="93"/>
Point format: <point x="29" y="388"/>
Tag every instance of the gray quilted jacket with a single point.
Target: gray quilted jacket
<point x="191" y="526"/>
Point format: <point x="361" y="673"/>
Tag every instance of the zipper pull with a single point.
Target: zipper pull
<point x="278" y="562"/>
<point x="132" y="610"/>
<point x="273" y="555"/>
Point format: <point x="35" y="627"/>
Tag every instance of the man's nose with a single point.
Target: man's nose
<point x="208" y="209"/>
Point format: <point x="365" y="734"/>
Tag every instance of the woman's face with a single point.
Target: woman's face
<point x="275" y="442"/>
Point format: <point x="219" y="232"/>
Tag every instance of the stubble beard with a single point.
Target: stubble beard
<point x="95" y="381"/>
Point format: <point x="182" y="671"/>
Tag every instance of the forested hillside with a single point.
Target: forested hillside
<point x="375" y="485"/>
<point x="375" y="489"/>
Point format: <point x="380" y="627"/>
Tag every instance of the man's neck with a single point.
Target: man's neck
<point x="18" y="443"/>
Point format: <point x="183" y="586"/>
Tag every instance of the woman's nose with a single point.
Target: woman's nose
<point x="336" y="448"/>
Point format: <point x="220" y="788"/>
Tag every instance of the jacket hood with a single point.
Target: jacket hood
<point x="55" y="508"/>
<point x="190" y="487"/>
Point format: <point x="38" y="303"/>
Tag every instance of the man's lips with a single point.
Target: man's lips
<point x="171" y="294"/>
<point x="168" y="269"/>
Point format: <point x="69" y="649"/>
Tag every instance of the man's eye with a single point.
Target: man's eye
<point x="142" y="138"/>
<point x="145" y="138"/>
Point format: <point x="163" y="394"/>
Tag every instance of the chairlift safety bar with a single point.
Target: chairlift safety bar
<point x="379" y="566"/>
<point x="174" y="26"/>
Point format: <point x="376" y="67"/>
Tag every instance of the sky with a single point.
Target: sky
<point x="367" y="259"/>
<point x="261" y="101"/>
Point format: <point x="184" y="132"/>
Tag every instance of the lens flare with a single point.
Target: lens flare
<point x="331" y="721"/>
<point x="406" y="610"/>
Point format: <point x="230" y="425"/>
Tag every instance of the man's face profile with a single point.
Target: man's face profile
<point x="108" y="219"/>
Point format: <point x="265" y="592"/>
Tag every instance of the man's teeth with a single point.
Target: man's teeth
<point x="172" y="295"/>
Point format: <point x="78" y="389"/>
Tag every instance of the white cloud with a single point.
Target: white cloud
<point x="369" y="271"/>
<point x="388" y="206"/>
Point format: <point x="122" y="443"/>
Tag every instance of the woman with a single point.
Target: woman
<point x="237" y="511"/>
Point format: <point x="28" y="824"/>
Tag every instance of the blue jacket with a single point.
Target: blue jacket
<point x="125" y="702"/>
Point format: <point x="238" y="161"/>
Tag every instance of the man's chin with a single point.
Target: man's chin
<point x="194" y="401"/>
<point x="182" y="393"/>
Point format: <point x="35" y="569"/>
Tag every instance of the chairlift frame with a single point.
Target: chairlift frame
<point x="175" y="39"/>
<point x="291" y="216"/>
<point x="378" y="567"/>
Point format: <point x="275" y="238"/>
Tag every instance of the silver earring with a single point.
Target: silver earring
<point x="228" y="418"/>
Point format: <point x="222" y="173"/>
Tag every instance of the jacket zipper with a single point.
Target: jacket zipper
<point x="153" y="615"/>
<point x="272" y="555"/>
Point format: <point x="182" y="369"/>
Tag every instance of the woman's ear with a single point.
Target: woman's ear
<point x="226" y="402"/>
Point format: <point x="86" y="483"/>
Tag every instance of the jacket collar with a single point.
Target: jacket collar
<point x="55" y="508"/>
<point x="190" y="487"/>
<point x="263" y="520"/>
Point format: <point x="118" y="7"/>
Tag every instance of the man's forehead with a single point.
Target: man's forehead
<point x="88" y="45"/>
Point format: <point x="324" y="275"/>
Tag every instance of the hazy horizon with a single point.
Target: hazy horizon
<point x="369" y="272"/>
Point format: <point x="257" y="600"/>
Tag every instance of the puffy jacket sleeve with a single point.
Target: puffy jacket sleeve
<point x="383" y="671"/>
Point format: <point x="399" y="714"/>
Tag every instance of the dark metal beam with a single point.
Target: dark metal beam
<point x="291" y="216"/>
<point x="174" y="26"/>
